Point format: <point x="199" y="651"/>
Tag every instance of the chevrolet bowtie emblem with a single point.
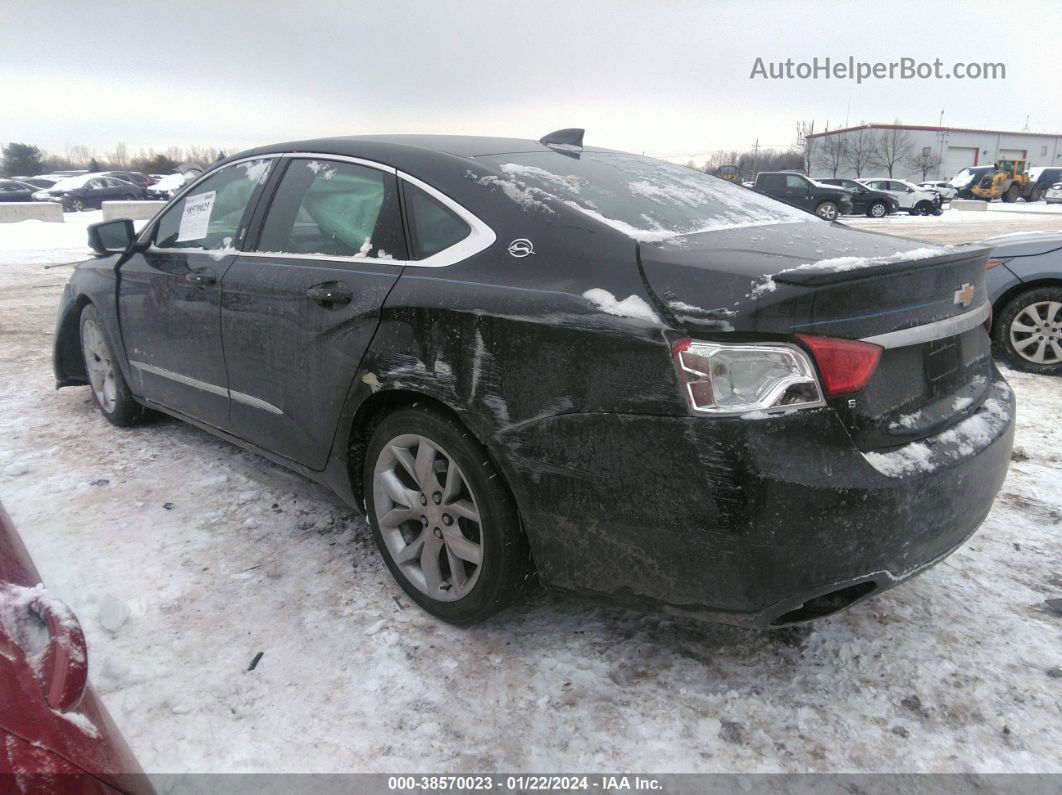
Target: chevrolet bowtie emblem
<point x="964" y="295"/>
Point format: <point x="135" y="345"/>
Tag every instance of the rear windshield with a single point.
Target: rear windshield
<point x="644" y="198"/>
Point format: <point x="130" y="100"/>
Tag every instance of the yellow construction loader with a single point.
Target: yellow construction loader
<point x="1008" y="181"/>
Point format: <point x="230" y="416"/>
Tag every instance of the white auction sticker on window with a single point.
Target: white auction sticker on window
<point x="196" y="216"/>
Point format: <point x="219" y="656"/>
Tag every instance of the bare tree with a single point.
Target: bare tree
<point x="860" y="150"/>
<point x="832" y="153"/>
<point x="925" y="161"/>
<point x="120" y="157"/>
<point x="805" y="144"/>
<point x="894" y="147"/>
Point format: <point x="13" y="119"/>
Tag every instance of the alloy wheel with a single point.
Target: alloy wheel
<point x="828" y="212"/>
<point x="1036" y="332"/>
<point x="428" y="517"/>
<point x="99" y="364"/>
<point x="877" y="210"/>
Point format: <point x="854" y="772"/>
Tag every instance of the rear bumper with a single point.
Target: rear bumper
<point x="746" y="521"/>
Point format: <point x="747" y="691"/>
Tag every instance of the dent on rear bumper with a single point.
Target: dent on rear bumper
<point x="739" y="519"/>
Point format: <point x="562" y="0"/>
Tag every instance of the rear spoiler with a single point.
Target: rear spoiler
<point x="813" y="277"/>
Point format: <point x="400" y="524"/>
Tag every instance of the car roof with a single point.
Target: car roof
<point x="397" y="150"/>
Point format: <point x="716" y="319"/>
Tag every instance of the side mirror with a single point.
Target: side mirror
<point x="111" y="237"/>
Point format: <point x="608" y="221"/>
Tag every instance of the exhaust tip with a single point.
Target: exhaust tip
<point x="826" y="604"/>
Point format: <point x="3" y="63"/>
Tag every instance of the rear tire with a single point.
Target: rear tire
<point x="77" y="205"/>
<point x="827" y="211"/>
<point x="109" y="389"/>
<point x="877" y="210"/>
<point x="443" y="518"/>
<point x="1029" y="330"/>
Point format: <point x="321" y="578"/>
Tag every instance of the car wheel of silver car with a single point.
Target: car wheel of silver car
<point x="444" y="520"/>
<point x="109" y="389"/>
<point x="1030" y="330"/>
<point x="827" y="211"/>
<point x="877" y="210"/>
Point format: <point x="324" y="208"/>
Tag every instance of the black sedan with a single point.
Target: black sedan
<point x="521" y="357"/>
<point x="88" y="191"/>
<point x="15" y="191"/>
<point x="865" y="201"/>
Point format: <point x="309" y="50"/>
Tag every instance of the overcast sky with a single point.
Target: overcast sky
<point x="668" y="77"/>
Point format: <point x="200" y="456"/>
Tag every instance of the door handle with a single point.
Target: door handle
<point x="203" y="278"/>
<point x="330" y="294"/>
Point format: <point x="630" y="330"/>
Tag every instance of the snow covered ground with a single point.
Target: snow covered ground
<point x="965" y="226"/>
<point x="185" y="557"/>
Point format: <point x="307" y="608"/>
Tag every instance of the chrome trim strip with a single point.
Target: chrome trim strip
<point x="937" y="330"/>
<point x="251" y="400"/>
<point x="481" y="237"/>
<point x="343" y="158"/>
<point x="214" y="389"/>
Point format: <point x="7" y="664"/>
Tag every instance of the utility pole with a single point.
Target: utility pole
<point x="755" y="156"/>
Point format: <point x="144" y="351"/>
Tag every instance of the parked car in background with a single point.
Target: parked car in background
<point x="965" y="180"/>
<point x="167" y="187"/>
<point x="133" y="177"/>
<point x="875" y="203"/>
<point x="1044" y="177"/>
<point x="88" y="191"/>
<point x="16" y="191"/>
<point x="945" y="189"/>
<point x="1053" y="195"/>
<point x="38" y="182"/>
<point x="1025" y="287"/>
<point x="641" y="380"/>
<point x="55" y="734"/>
<point x="801" y="192"/>
<point x="915" y="200"/>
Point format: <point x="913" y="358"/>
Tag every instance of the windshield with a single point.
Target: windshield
<point x="644" y="198"/>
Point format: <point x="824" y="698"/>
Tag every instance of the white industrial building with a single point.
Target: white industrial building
<point x="950" y="149"/>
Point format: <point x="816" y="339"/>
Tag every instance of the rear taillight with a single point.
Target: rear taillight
<point x="738" y="379"/>
<point x="844" y="365"/>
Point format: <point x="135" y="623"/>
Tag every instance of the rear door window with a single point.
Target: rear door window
<point x="433" y="227"/>
<point x="334" y="208"/>
<point x="211" y="216"/>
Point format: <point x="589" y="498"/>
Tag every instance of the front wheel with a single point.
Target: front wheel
<point x="109" y="390"/>
<point x="1029" y="329"/>
<point x="877" y="210"/>
<point x="827" y="211"/>
<point x="77" y="205"/>
<point x="445" y="523"/>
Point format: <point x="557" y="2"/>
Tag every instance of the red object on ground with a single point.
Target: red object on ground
<point x="55" y="735"/>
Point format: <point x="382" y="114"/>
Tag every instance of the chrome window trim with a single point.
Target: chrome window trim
<point x="214" y="389"/>
<point x="480" y="238"/>
<point x="929" y="332"/>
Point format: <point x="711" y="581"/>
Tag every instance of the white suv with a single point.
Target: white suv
<point x="1053" y="195"/>
<point x="916" y="200"/>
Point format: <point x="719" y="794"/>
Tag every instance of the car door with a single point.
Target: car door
<point x="300" y="307"/>
<point x="169" y="293"/>
<point x="860" y="200"/>
<point x="798" y="192"/>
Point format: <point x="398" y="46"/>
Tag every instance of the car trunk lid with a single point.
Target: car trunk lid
<point x="924" y="304"/>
